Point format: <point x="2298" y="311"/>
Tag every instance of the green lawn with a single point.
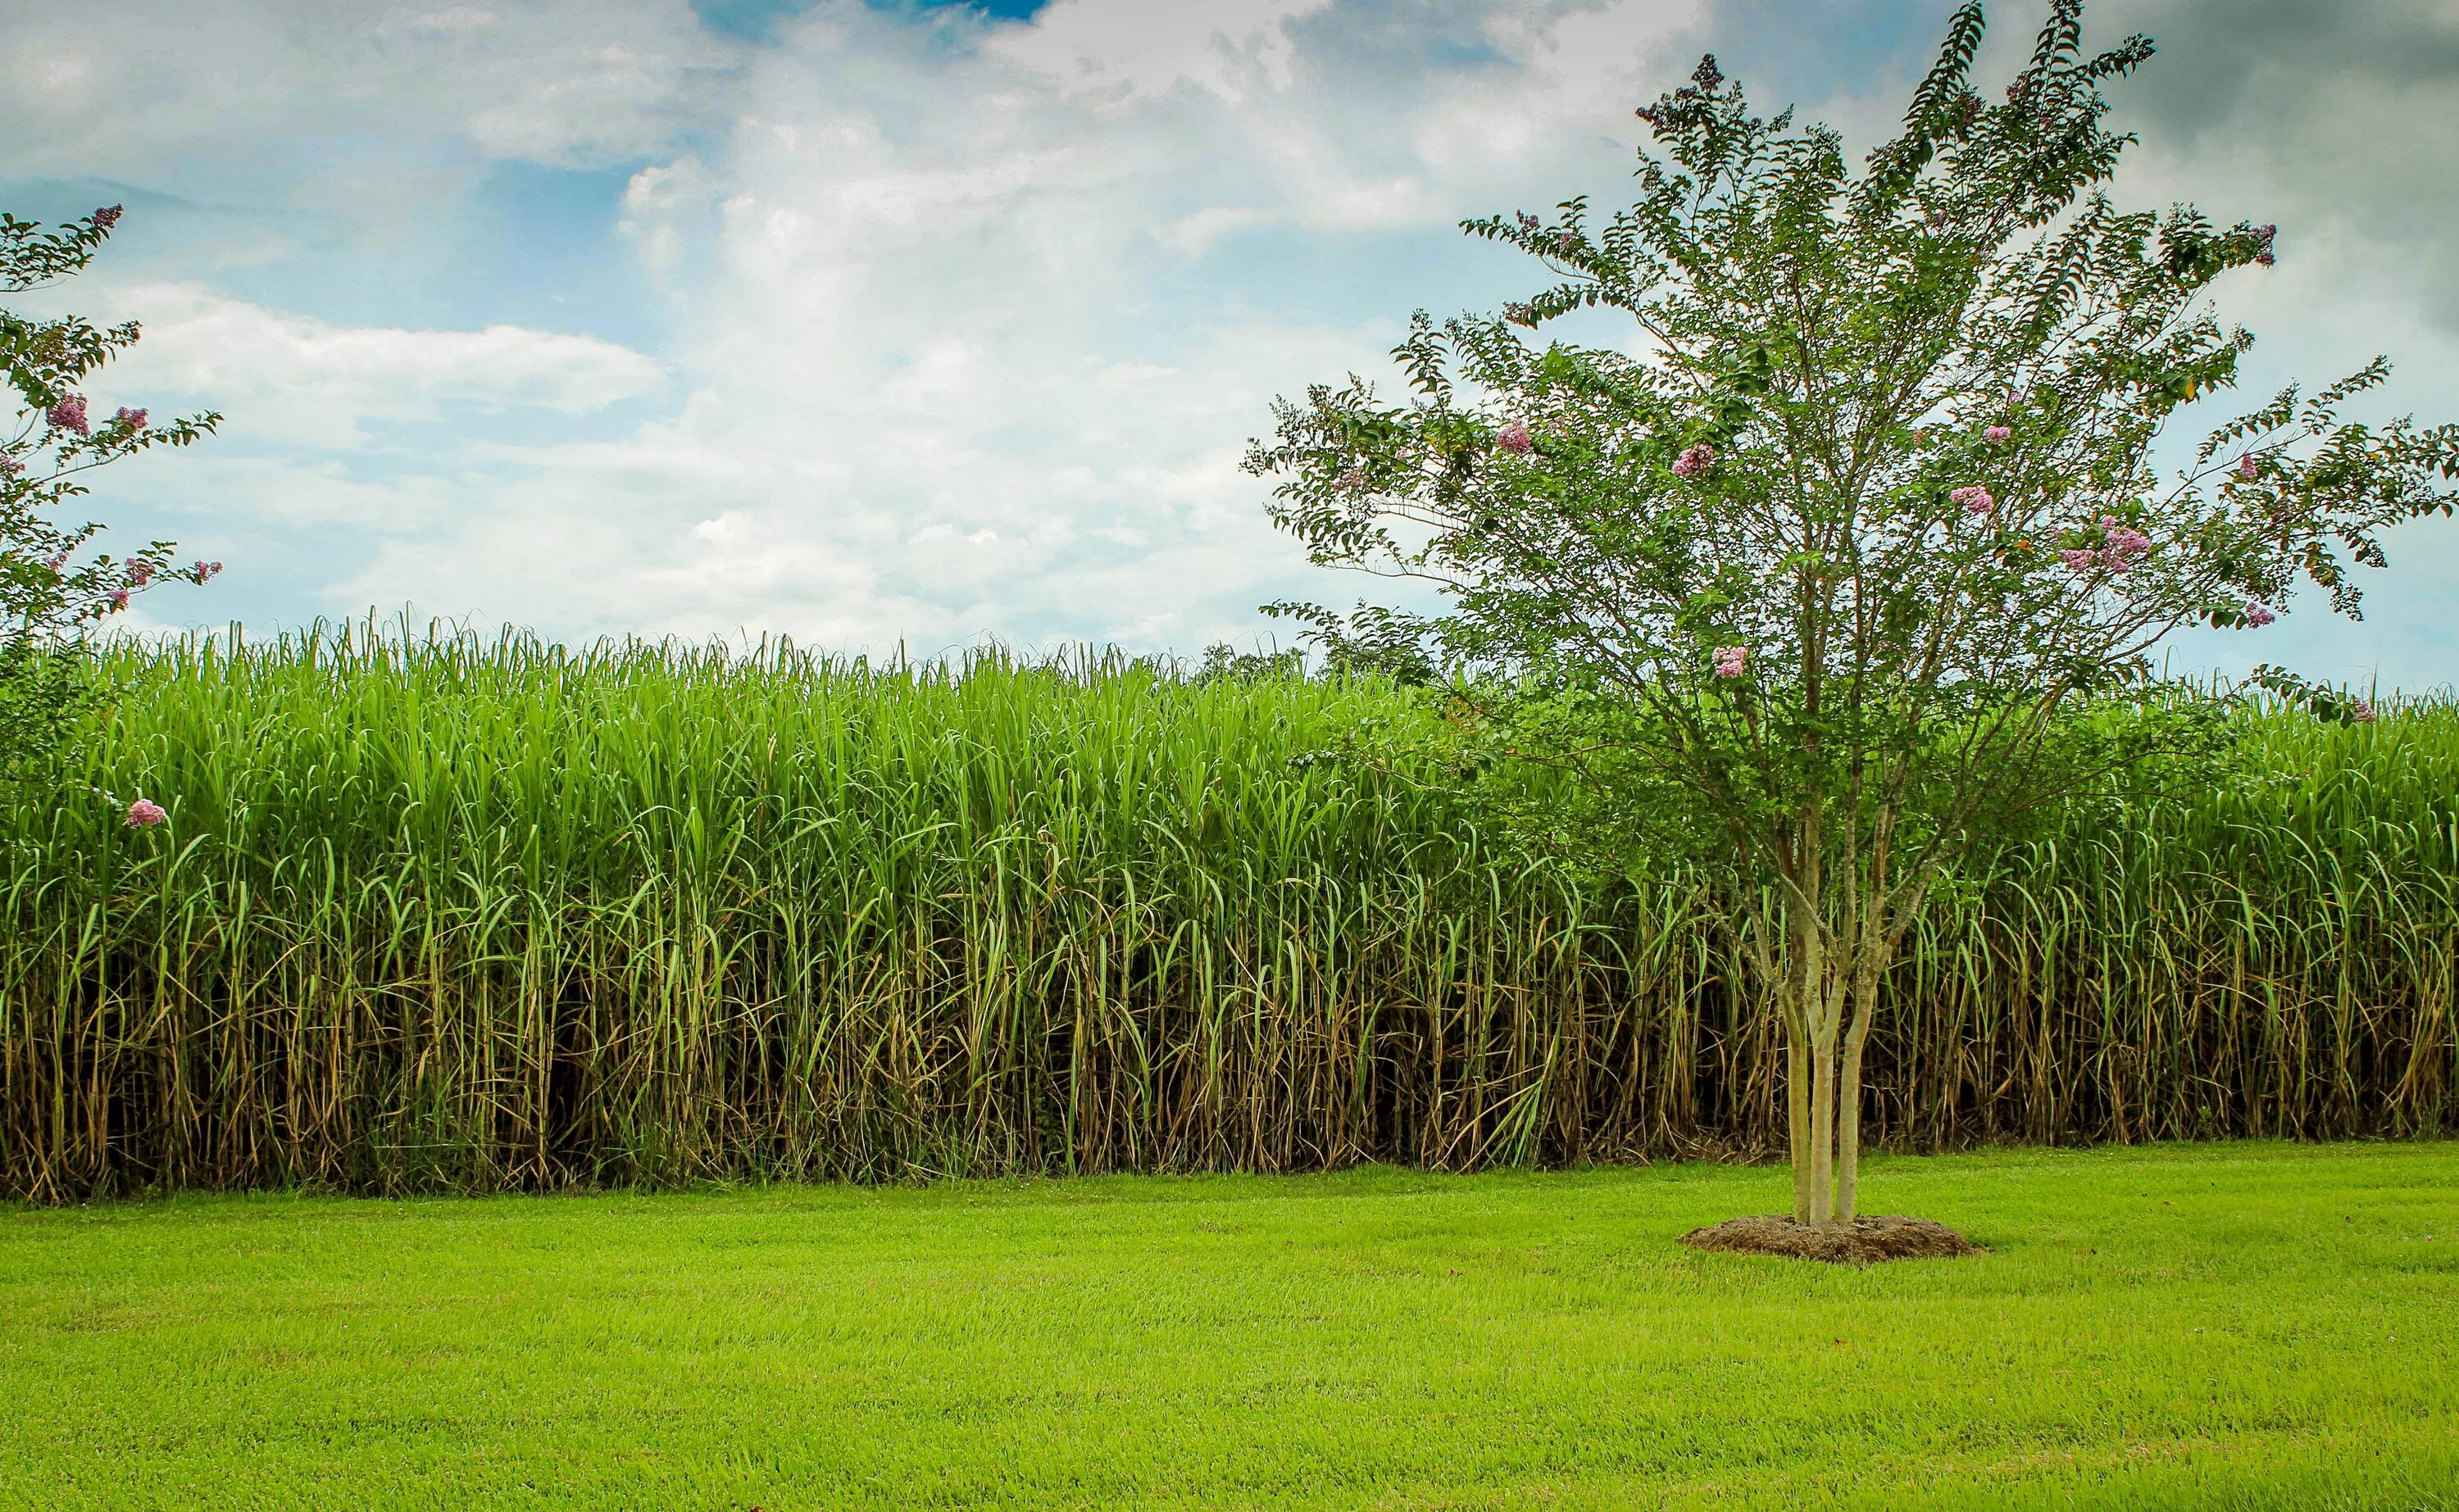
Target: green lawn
<point x="2247" y="1325"/>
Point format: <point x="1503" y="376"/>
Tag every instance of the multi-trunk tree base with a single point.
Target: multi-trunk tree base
<point x="1855" y="1241"/>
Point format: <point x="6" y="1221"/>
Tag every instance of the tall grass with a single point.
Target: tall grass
<point x="455" y="914"/>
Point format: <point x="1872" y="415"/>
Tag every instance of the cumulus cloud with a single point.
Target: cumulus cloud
<point x="123" y="90"/>
<point x="1121" y="50"/>
<point x="287" y="378"/>
<point x="989" y="314"/>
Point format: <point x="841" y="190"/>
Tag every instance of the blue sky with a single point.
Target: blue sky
<point x="905" y="322"/>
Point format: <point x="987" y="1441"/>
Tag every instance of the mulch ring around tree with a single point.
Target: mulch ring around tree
<point x="1857" y="1241"/>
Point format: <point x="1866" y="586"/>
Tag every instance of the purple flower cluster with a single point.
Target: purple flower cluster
<point x="2258" y="614"/>
<point x="132" y="419"/>
<point x="206" y="571"/>
<point x="2262" y="239"/>
<point x="1527" y="222"/>
<point x="1352" y="480"/>
<point x="1514" y="438"/>
<point x="2247" y="468"/>
<point x="1975" y="499"/>
<point x="1695" y="459"/>
<point x="2118" y="549"/>
<point x="2362" y="711"/>
<point x="9" y="465"/>
<point x="2121" y="546"/>
<point x="69" y="414"/>
<point x="107" y="217"/>
<point x="1998" y="435"/>
<point x="2125" y="542"/>
<point x="118" y="597"/>
<point x="141" y="571"/>
<point x="1733" y="661"/>
<point x="144" y="813"/>
<point x="1707" y="75"/>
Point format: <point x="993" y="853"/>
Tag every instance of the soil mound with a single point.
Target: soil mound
<point x="1859" y="1241"/>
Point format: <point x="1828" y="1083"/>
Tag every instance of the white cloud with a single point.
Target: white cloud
<point x="978" y="338"/>
<point x="118" y="91"/>
<point x="1120" y="51"/>
<point x="294" y="378"/>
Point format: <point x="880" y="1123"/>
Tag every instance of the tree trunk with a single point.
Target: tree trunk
<point x="1797" y="1098"/>
<point x="1823" y="1093"/>
<point x="1822" y="1131"/>
<point x="1848" y="1128"/>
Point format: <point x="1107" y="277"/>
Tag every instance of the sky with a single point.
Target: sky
<point x="882" y="322"/>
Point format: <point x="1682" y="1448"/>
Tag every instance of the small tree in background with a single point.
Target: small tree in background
<point x="49" y="598"/>
<point x="1862" y="556"/>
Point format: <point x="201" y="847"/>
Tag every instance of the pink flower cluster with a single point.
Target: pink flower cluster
<point x="2362" y="710"/>
<point x="107" y="217"/>
<point x="1352" y="480"/>
<point x="206" y="571"/>
<point x="145" y="812"/>
<point x="69" y="414"/>
<point x="2258" y="614"/>
<point x="2122" y="545"/>
<point x="118" y="597"/>
<point x="1998" y="435"/>
<point x="1974" y="498"/>
<point x="1514" y="438"/>
<point x="1695" y="459"/>
<point x="132" y="419"/>
<point x="141" y="571"/>
<point x="2262" y="239"/>
<point x="10" y="467"/>
<point x="1731" y="660"/>
<point x="1527" y="222"/>
<point x="2247" y="468"/>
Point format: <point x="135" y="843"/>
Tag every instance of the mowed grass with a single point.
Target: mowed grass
<point x="2230" y="1325"/>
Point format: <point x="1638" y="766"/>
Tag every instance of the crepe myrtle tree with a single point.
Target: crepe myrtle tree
<point x="50" y="599"/>
<point x="1858" y="556"/>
